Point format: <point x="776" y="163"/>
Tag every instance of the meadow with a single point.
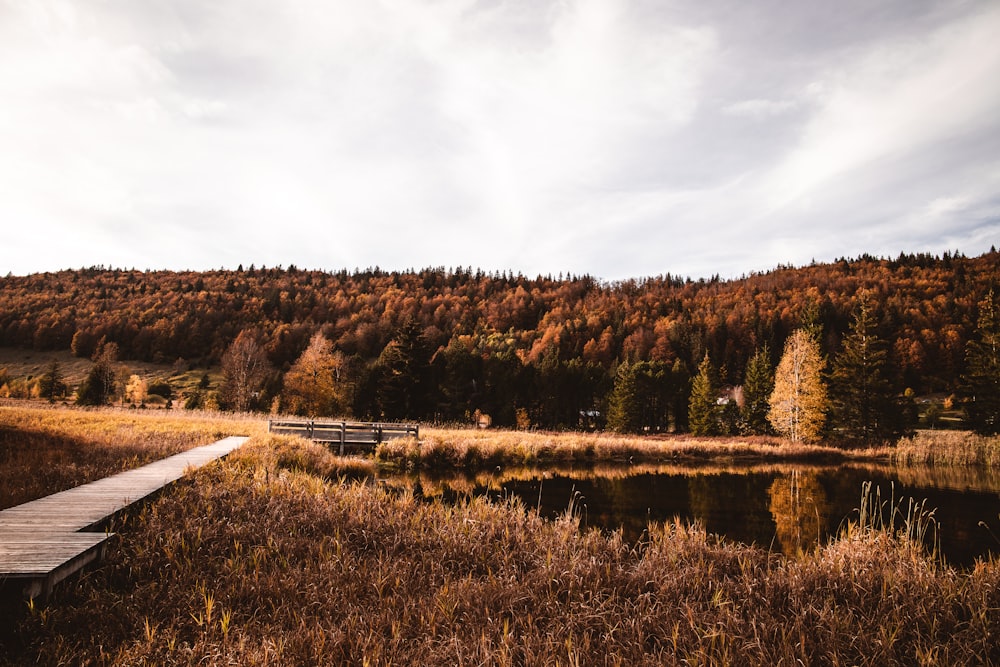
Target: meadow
<point x="48" y="449"/>
<point x="276" y="556"/>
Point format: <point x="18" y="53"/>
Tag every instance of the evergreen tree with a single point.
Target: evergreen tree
<point x="757" y="388"/>
<point x="681" y="381"/>
<point x="655" y="389"/>
<point x="703" y="410"/>
<point x="862" y="400"/>
<point x="982" y="375"/>
<point x="798" y="402"/>
<point x="51" y="385"/>
<point x="99" y="386"/>
<point x="624" y="410"/>
<point x="399" y="374"/>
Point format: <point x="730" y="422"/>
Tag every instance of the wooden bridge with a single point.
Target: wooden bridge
<point x="346" y="435"/>
<point x="46" y="540"/>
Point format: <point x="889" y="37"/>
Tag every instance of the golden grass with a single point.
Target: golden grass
<point x="48" y="449"/>
<point x="949" y="448"/>
<point x="472" y="449"/>
<point x="256" y="562"/>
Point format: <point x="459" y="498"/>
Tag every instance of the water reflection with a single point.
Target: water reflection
<point x="780" y="507"/>
<point x="800" y="510"/>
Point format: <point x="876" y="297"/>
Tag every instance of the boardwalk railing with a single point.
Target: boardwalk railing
<point x="343" y="434"/>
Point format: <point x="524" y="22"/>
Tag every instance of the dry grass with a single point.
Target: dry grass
<point x="254" y="561"/>
<point x="44" y="449"/>
<point x="949" y="448"/>
<point x="472" y="449"/>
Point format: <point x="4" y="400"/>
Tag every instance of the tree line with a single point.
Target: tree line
<point x="569" y="351"/>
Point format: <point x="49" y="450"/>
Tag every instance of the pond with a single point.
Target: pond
<point x="783" y="508"/>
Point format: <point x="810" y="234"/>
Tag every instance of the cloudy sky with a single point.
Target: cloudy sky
<point x="620" y="138"/>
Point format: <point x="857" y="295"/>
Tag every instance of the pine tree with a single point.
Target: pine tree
<point x="680" y="380"/>
<point x="982" y="375"/>
<point x="99" y="386"/>
<point x="862" y="400"/>
<point x="400" y="373"/>
<point x="624" y="410"/>
<point x="51" y="384"/>
<point x="703" y="411"/>
<point x="757" y="388"/>
<point x="798" y="402"/>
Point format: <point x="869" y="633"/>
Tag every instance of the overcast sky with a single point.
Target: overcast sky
<point x="620" y="138"/>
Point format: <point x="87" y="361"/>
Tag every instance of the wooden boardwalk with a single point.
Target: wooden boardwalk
<point x="41" y="542"/>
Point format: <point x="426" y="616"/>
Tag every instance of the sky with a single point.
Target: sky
<point x="616" y="138"/>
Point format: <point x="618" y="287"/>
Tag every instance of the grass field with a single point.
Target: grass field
<point x="48" y="449"/>
<point x="258" y="561"/>
<point x="266" y="558"/>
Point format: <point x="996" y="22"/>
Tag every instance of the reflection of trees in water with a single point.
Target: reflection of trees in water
<point x="800" y="510"/>
<point x="732" y="504"/>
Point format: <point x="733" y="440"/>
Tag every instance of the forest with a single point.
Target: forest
<point x="447" y="344"/>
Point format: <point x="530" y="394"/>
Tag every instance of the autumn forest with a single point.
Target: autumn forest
<point x="551" y="352"/>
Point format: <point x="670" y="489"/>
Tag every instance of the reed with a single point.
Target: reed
<point x="949" y="448"/>
<point x="474" y="449"/>
<point x="260" y="559"/>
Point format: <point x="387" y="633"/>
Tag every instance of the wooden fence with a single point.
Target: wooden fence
<point x="345" y="435"/>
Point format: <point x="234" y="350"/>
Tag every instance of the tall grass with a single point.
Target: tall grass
<point x="949" y="448"/>
<point x="257" y="560"/>
<point x="472" y="449"/>
<point x="44" y="450"/>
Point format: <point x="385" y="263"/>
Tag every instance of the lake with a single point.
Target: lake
<point x="778" y="507"/>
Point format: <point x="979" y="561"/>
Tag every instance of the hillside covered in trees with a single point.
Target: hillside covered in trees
<point x="544" y="351"/>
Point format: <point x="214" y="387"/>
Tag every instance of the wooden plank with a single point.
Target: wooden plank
<point x="40" y="542"/>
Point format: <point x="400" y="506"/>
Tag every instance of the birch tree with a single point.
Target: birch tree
<point x="244" y="370"/>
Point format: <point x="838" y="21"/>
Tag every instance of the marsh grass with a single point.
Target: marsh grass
<point x="259" y="559"/>
<point x="948" y="448"/>
<point x="44" y="450"/>
<point x="472" y="449"/>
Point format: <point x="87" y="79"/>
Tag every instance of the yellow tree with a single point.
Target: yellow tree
<point x="315" y="385"/>
<point x="798" y="402"/>
<point x="136" y="390"/>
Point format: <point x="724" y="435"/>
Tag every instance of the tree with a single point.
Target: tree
<point x="315" y="385"/>
<point x="798" y="402"/>
<point x="244" y="370"/>
<point x="757" y="388"/>
<point x="863" y="404"/>
<point x="982" y="375"/>
<point x="680" y="379"/>
<point x="136" y="390"/>
<point x="51" y="384"/>
<point x="399" y="374"/>
<point x="99" y="385"/>
<point x="624" y="410"/>
<point x="703" y="410"/>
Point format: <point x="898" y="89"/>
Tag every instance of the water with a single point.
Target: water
<point x="783" y="508"/>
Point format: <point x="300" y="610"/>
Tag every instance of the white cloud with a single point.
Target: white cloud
<point x="758" y="108"/>
<point x="617" y="138"/>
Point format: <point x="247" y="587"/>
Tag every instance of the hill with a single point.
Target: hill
<point x="499" y="342"/>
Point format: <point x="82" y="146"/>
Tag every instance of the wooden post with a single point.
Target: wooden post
<point x="343" y="436"/>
